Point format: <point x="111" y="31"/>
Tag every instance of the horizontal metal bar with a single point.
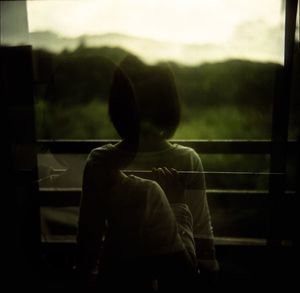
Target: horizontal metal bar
<point x="60" y="197"/>
<point x="213" y="179"/>
<point x="69" y="239"/>
<point x="219" y="241"/>
<point x="57" y="172"/>
<point x="200" y="146"/>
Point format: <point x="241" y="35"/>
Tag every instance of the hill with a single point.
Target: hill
<point x="85" y="74"/>
<point x="151" y="51"/>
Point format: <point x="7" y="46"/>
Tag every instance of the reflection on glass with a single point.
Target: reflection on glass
<point x="224" y="53"/>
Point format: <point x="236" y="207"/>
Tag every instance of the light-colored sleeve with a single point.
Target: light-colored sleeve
<point x="202" y="226"/>
<point x="160" y="232"/>
<point x="184" y="221"/>
<point x="195" y="191"/>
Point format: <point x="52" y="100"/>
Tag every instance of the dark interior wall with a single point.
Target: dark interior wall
<point x="20" y="161"/>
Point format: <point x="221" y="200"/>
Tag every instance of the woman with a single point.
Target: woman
<point x="145" y="225"/>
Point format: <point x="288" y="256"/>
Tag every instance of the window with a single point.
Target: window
<point x="225" y="56"/>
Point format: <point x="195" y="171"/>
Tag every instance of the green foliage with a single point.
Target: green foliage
<point x="89" y="121"/>
<point x="223" y="122"/>
<point x="234" y="82"/>
<point x="231" y="99"/>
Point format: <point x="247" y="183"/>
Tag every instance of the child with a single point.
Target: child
<point x="144" y="107"/>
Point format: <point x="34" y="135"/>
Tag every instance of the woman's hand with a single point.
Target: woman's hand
<point x="169" y="181"/>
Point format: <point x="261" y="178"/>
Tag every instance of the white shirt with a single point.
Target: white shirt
<point x="182" y="159"/>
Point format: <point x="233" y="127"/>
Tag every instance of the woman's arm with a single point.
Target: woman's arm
<point x="171" y="184"/>
<point x="196" y="197"/>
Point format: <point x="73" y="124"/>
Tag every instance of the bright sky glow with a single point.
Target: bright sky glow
<point x="239" y="24"/>
<point x="192" y="21"/>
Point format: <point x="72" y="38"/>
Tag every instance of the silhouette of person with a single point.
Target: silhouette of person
<point x="146" y="235"/>
<point x="144" y="107"/>
<point x="147" y="227"/>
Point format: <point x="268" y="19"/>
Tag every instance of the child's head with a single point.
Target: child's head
<point x="144" y="100"/>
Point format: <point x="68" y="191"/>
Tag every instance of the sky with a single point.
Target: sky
<point x="189" y="21"/>
<point x="252" y="29"/>
<point x="246" y="29"/>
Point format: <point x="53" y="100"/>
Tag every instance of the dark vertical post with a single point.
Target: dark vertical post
<point x="297" y="200"/>
<point x="280" y="128"/>
<point x="280" y="258"/>
<point x="21" y="163"/>
<point x="17" y="110"/>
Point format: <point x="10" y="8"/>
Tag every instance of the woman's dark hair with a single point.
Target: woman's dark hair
<point x="144" y="95"/>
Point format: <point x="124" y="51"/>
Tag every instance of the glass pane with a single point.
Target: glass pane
<point x="224" y="53"/>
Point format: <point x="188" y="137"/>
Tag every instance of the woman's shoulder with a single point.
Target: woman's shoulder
<point x="184" y="152"/>
<point x="101" y="152"/>
<point x="143" y="183"/>
<point x="146" y="186"/>
<point x="186" y="157"/>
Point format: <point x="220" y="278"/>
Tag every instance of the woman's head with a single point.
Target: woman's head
<point x="144" y="100"/>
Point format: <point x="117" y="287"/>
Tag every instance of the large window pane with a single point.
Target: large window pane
<point x="225" y="55"/>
